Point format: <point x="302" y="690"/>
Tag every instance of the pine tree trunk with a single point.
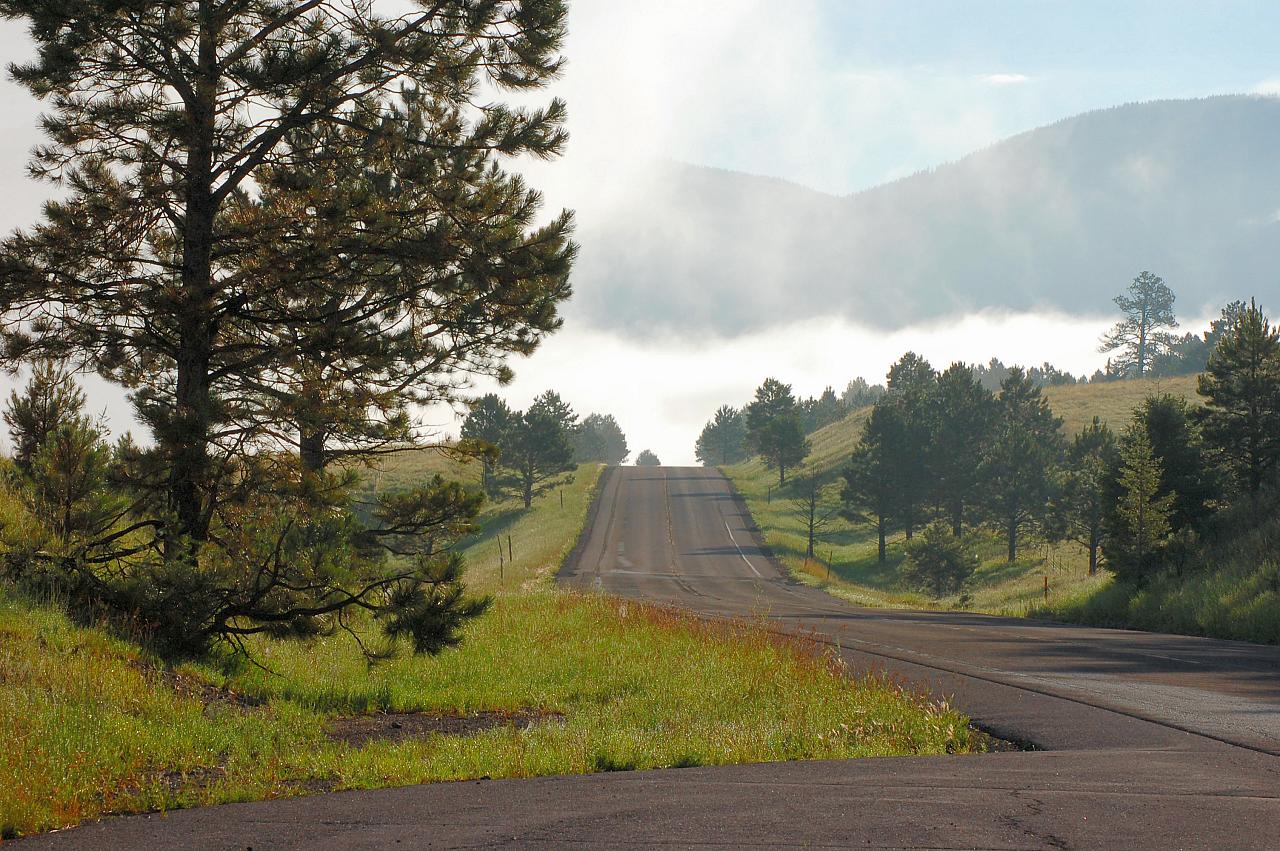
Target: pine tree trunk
<point x="880" y="531"/>
<point x="1093" y="553"/>
<point x="187" y="437"/>
<point x="311" y="449"/>
<point x="528" y="490"/>
<point x="1012" y="531"/>
<point x="957" y="519"/>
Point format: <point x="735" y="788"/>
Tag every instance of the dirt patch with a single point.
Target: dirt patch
<point x="213" y="697"/>
<point x="359" y="730"/>
<point x="986" y="742"/>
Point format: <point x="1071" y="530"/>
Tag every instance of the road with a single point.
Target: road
<point x="1141" y="741"/>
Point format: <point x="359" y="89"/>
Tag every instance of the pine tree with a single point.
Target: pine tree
<point x="965" y="416"/>
<point x="486" y="424"/>
<point x="723" y="438"/>
<point x="1148" y="308"/>
<point x="773" y="427"/>
<point x="1080" y="506"/>
<point x="536" y="448"/>
<point x="70" y="488"/>
<point x="913" y="390"/>
<point x="1242" y="399"/>
<point x="599" y="439"/>
<point x="870" y="489"/>
<point x="647" y="458"/>
<point x="1018" y="466"/>
<point x="1185" y="469"/>
<point x="209" y="151"/>
<point x="50" y="398"/>
<point x="939" y="560"/>
<point x="812" y="508"/>
<point x="1140" y="530"/>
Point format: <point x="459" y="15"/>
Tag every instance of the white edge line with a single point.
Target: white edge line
<point x="740" y="552"/>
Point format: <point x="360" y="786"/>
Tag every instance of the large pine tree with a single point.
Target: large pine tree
<point x="1139" y="531"/>
<point x="1242" y="399"/>
<point x="1140" y="338"/>
<point x="723" y="439"/>
<point x="1018" y="468"/>
<point x="965" y="416"/>
<point x="217" y="161"/>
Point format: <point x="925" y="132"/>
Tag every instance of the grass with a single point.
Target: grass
<point x="1113" y="402"/>
<point x="1232" y="592"/>
<point x="847" y="564"/>
<point x="93" y="725"/>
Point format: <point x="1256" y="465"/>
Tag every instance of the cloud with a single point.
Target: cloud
<point x="663" y="388"/>
<point x="1003" y="79"/>
<point x="1267" y="88"/>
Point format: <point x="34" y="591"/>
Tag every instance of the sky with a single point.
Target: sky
<point x="836" y="95"/>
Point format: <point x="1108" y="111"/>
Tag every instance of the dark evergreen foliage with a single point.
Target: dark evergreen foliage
<point x="282" y="225"/>
<point x="723" y="439"/>
<point x="485" y="428"/>
<point x="1018" y="468"/>
<point x="1242" y="399"/>
<point x="965" y="419"/>
<point x="537" y="448"/>
<point x="774" y="429"/>
<point x="1087" y="490"/>
<point x="646" y="458"/>
<point x="1140" y="337"/>
<point x="599" y="439"/>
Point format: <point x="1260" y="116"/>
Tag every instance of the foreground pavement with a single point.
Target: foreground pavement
<point x="1141" y="740"/>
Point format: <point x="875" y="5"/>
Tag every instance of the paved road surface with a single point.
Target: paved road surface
<point x="1144" y="741"/>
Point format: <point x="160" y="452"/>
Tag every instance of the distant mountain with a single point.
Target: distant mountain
<point x="1061" y="218"/>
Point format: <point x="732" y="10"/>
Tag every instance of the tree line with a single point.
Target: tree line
<point x="940" y="451"/>
<point x="534" y="446"/>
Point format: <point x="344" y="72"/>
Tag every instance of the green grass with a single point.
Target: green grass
<point x="93" y="725"/>
<point x="846" y="563"/>
<point x="1232" y="591"/>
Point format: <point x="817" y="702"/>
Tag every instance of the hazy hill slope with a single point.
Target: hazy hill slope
<point x="1060" y="217"/>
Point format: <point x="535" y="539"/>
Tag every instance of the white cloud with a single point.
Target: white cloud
<point x="1003" y="79"/>
<point x="1268" y="88"/>
<point x="662" y="390"/>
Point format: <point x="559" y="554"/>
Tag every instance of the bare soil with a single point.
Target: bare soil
<point x="360" y="730"/>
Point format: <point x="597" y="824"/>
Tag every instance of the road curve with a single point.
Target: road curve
<point x="1143" y="741"/>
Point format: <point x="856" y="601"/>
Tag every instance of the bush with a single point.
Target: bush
<point x="940" y="561"/>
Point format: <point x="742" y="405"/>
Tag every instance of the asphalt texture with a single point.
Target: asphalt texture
<point x="1135" y="740"/>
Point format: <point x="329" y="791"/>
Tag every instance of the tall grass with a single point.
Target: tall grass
<point x="1230" y="590"/>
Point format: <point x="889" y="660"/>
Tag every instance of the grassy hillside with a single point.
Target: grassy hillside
<point x="1113" y="401"/>
<point x="847" y="564"/>
<point x="546" y="682"/>
<point x="1233" y="591"/>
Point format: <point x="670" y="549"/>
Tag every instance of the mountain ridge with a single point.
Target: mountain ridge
<point x="1059" y="218"/>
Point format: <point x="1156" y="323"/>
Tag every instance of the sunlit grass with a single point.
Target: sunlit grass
<point x="91" y="728"/>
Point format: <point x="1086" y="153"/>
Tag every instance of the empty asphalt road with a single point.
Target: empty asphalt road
<point x="1141" y="741"/>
